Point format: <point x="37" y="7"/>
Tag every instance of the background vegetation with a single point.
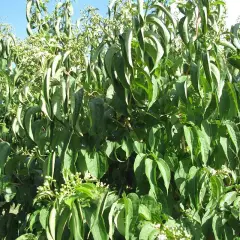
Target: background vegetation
<point x="125" y="127"/>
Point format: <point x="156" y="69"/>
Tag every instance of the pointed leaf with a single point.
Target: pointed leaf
<point x="165" y="172"/>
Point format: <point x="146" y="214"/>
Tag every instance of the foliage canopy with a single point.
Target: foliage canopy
<point x="125" y="127"/>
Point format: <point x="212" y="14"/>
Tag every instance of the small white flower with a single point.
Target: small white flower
<point x="162" y="237"/>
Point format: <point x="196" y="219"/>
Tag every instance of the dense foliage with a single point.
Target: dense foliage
<point x="124" y="127"/>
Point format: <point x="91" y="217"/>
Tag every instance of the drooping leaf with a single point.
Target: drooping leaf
<point x="27" y="236"/>
<point x="128" y="42"/>
<point x="61" y="222"/>
<point x="189" y="139"/>
<point x="158" y="46"/>
<point x="28" y="119"/>
<point x="46" y="85"/>
<point x="109" y="59"/>
<point x="166" y="12"/>
<point x="52" y="222"/>
<point x="76" y="223"/>
<point x="206" y="66"/>
<point x="228" y="199"/>
<point x="233" y="133"/>
<point x="183" y="29"/>
<point x="216" y="186"/>
<point x="150" y="171"/>
<point x="55" y="64"/>
<point x="4" y="153"/>
<point x="217" y="226"/>
<point x="152" y="18"/>
<point x="128" y="206"/>
<point x="139" y="167"/>
<point x="78" y="104"/>
<point x="96" y="163"/>
<point x="194" y="72"/>
<point x="96" y="106"/>
<point x="204" y="145"/>
<point x="110" y="219"/>
<point x="146" y="231"/>
<point x="165" y="172"/>
<point x="43" y="217"/>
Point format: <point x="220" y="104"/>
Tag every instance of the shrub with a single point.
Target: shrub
<point x="125" y="127"/>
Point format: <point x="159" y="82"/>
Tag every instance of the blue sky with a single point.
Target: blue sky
<point x="13" y="12"/>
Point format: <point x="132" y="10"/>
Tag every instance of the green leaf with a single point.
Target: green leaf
<point x="192" y="186"/>
<point x="204" y="20"/>
<point x="227" y="44"/>
<point x="28" y="119"/>
<point x="206" y="66"/>
<point x="55" y="63"/>
<point x="233" y="133"/>
<point x="95" y="220"/>
<point x="27" y="236"/>
<point x="120" y="68"/>
<point x="108" y="60"/>
<point x="128" y="42"/>
<point x="234" y="60"/>
<point x="28" y="10"/>
<point x="96" y="106"/>
<point x="155" y="92"/>
<point x="228" y="199"/>
<point x="88" y="189"/>
<point x="144" y="212"/>
<point x="233" y="95"/>
<point x="46" y="85"/>
<point x="140" y="8"/>
<point x="225" y="145"/>
<point x="78" y="104"/>
<point x="98" y="214"/>
<point x="97" y="164"/>
<point x="152" y="18"/>
<point x="99" y="230"/>
<point x="166" y="12"/>
<point x="111" y="4"/>
<point x="154" y="234"/>
<point x="235" y="38"/>
<point x="52" y="222"/>
<point x="211" y="107"/>
<point x="154" y="207"/>
<point x="49" y="237"/>
<point x="76" y="223"/>
<point x="33" y="219"/>
<point x="119" y="220"/>
<point x="146" y="231"/>
<point x="195" y="72"/>
<point x="97" y="51"/>
<point x="189" y="138"/>
<point x="217" y="77"/>
<point x="19" y="111"/>
<point x="150" y="171"/>
<point x="5" y="150"/>
<point x="139" y="167"/>
<point x="183" y="29"/>
<point x="61" y="222"/>
<point x="216" y="186"/>
<point x="43" y="217"/>
<point x="217" y="226"/>
<point x="165" y="172"/>
<point x="204" y="145"/>
<point x="158" y="46"/>
<point x="110" y="219"/>
<point x="128" y="206"/>
<point x="135" y="210"/>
